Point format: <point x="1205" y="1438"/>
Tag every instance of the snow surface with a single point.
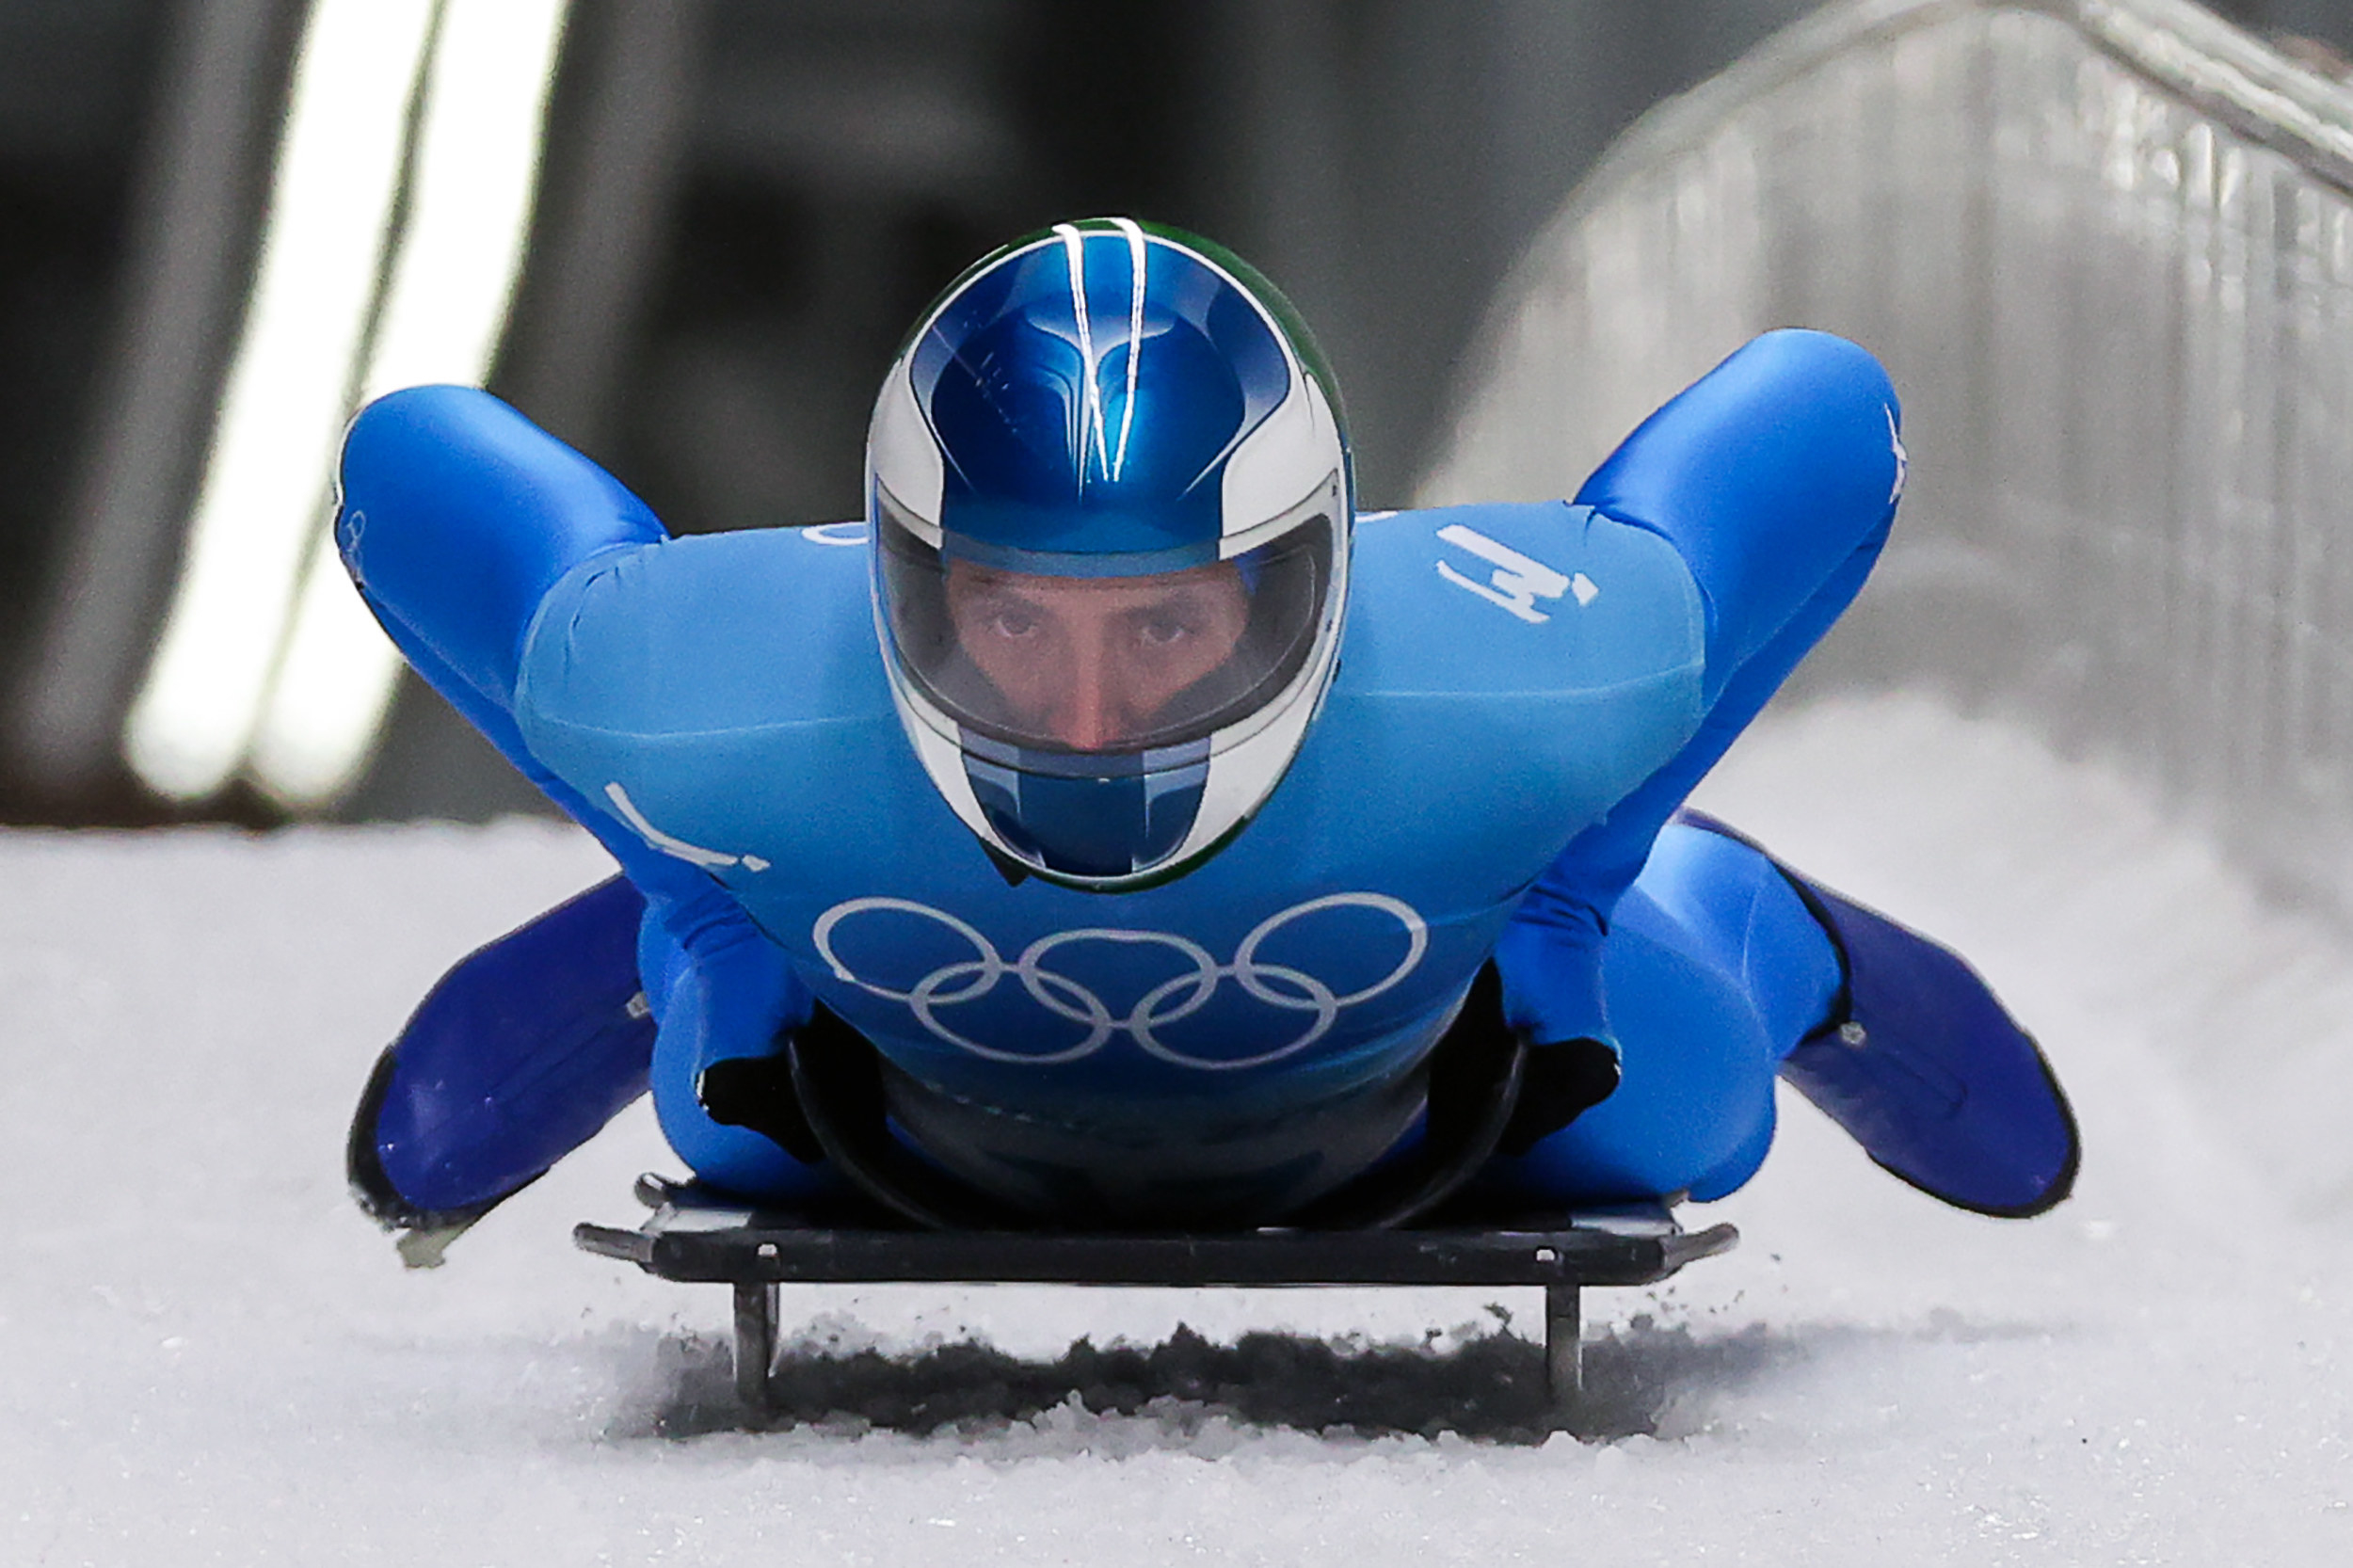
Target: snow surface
<point x="209" y="1356"/>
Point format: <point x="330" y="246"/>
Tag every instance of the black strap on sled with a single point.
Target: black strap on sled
<point x="1475" y="1073"/>
<point x="837" y="1076"/>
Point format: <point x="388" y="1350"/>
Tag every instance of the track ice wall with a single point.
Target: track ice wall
<point x="2107" y="252"/>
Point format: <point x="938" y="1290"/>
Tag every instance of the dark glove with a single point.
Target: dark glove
<point x="756" y="1092"/>
<point x="1561" y="1082"/>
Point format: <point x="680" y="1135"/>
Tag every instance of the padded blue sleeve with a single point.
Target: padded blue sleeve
<point x="1768" y="476"/>
<point x="455" y="517"/>
<point x="457" y="514"/>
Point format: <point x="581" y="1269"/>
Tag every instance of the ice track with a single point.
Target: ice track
<point x="210" y="1357"/>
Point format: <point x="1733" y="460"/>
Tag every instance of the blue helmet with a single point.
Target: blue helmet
<point x="1110" y="500"/>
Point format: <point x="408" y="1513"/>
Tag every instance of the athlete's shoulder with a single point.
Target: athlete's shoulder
<point x="708" y="632"/>
<point x="1515" y="598"/>
<point x="1823" y="359"/>
<point x="1795" y="427"/>
<point x="448" y="457"/>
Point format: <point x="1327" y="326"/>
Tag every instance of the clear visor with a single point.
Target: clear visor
<point x="1104" y="664"/>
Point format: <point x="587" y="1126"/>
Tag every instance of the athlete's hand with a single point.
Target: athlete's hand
<point x="1561" y="1082"/>
<point x="756" y="1092"/>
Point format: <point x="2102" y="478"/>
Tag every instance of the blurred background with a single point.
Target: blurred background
<point x="685" y="235"/>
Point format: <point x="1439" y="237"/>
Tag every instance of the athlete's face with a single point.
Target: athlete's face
<point x="1089" y="663"/>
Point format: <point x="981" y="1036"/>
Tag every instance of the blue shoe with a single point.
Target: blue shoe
<point x="1926" y="1071"/>
<point x="518" y="1056"/>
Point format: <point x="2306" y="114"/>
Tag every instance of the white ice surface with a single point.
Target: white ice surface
<point x="206" y="1355"/>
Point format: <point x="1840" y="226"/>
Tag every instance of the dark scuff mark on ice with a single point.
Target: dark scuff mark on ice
<point x="1641" y="1379"/>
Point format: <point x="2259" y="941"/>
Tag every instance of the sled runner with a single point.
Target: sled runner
<point x="695" y="1237"/>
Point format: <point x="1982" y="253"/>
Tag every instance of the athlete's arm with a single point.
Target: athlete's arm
<point x="725" y="997"/>
<point x="1768" y="475"/>
<point x="1775" y="477"/>
<point x="455" y="515"/>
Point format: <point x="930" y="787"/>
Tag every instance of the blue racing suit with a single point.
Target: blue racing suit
<point x="1526" y="692"/>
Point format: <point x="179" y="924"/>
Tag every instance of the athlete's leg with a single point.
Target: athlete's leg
<point x="520" y="1053"/>
<point x="1921" y="1064"/>
<point x="1722" y="959"/>
<point x="1713" y="969"/>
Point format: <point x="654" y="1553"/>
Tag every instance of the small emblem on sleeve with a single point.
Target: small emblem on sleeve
<point x="1903" y="458"/>
<point x="1516" y="583"/>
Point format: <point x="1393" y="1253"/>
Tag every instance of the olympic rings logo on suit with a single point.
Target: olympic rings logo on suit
<point x="1277" y="985"/>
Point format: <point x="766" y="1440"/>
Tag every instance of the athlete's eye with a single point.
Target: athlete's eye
<point x="1175" y="619"/>
<point x="1011" y="621"/>
<point x="1164" y="631"/>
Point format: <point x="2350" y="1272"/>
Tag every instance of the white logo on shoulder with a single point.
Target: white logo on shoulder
<point x="693" y="855"/>
<point x="1516" y="583"/>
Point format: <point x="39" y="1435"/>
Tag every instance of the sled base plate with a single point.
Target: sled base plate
<point x="695" y="1237"/>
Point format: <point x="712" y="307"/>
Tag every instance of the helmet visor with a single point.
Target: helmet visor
<point x="1109" y="661"/>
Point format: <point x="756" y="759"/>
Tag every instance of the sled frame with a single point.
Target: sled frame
<point x="694" y="1239"/>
